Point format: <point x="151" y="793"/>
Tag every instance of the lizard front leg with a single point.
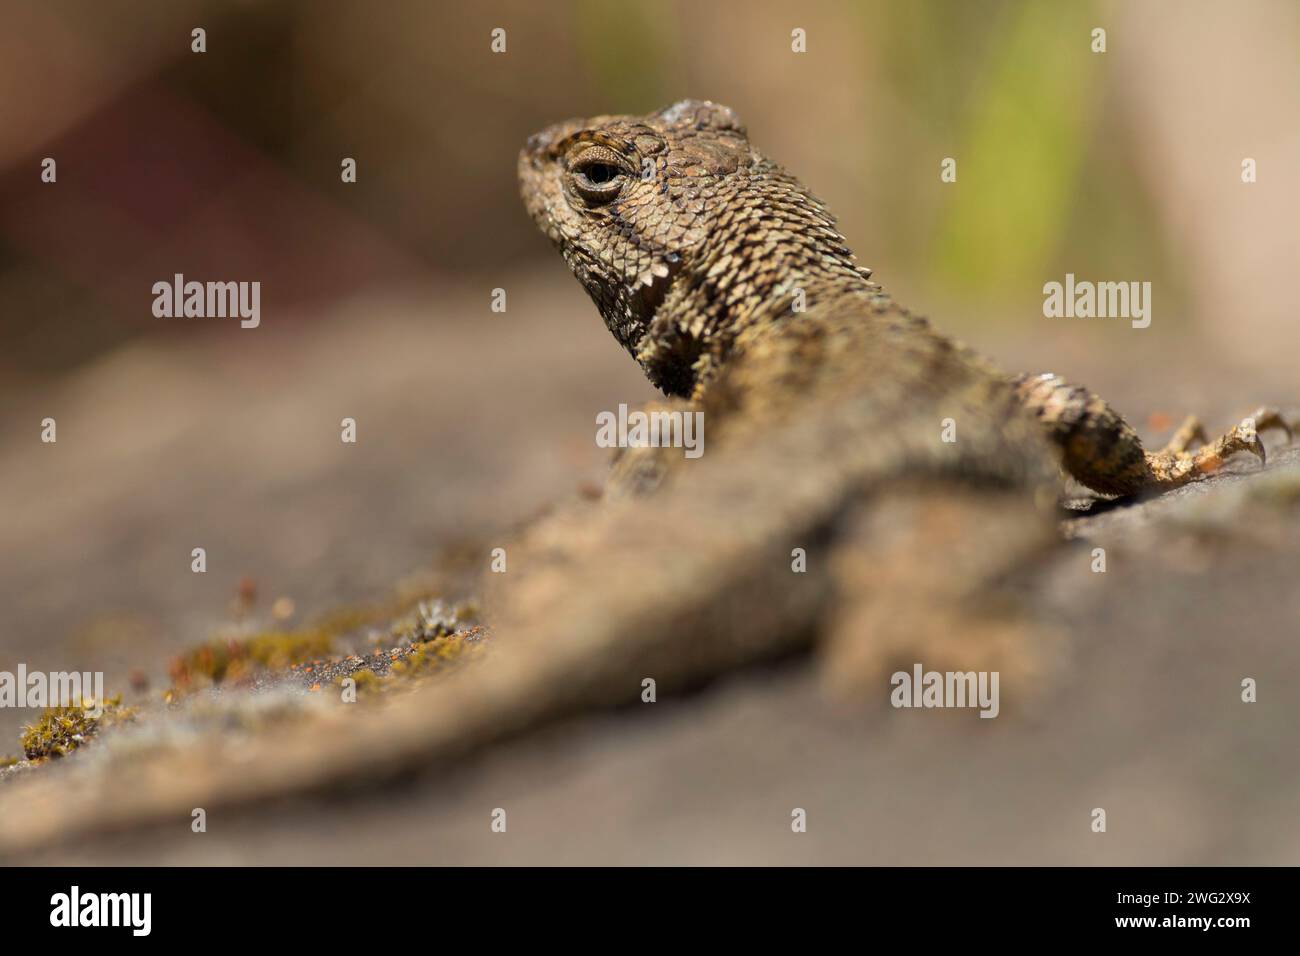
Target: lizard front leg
<point x="1101" y="450"/>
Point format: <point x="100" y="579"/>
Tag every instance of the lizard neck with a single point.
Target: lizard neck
<point x="697" y="327"/>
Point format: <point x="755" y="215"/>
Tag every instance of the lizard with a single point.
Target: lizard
<point x="825" y="400"/>
<point x="728" y="282"/>
<point x="692" y="245"/>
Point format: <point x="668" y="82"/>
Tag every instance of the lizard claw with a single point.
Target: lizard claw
<point x="1266" y="418"/>
<point x="1242" y="437"/>
<point x="1175" y="467"/>
<point x="1248" y="434"/>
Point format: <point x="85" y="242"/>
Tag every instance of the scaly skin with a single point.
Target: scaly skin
<point x="824" y="435"/>
<point x="696" y="248"/>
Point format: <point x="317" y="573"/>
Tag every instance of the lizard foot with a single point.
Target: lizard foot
<point x="1102" y="451"/>
<point x="1176" y="463"/>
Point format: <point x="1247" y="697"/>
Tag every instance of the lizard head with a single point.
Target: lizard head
<point x="677" y="228"/>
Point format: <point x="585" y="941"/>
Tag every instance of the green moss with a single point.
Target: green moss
<point x="436" y="655"/>
<point x="365" y="680"/>
<point x="224" y="660"/>
<point x="8" y="762"/>
<point x="62" y="730"/>
<point x="231" y="659"/>
<point x="275" y="650"/>
<point x="425" y="658"/>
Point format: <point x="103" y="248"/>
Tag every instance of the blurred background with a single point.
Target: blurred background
<point x="225" y="165"/>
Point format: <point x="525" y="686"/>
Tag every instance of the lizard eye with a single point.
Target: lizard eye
<point x="600" y="173"/>
<point x="597" y="174"/>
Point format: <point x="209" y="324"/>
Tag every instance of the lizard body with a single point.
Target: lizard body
<point x="825" y="425"/>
